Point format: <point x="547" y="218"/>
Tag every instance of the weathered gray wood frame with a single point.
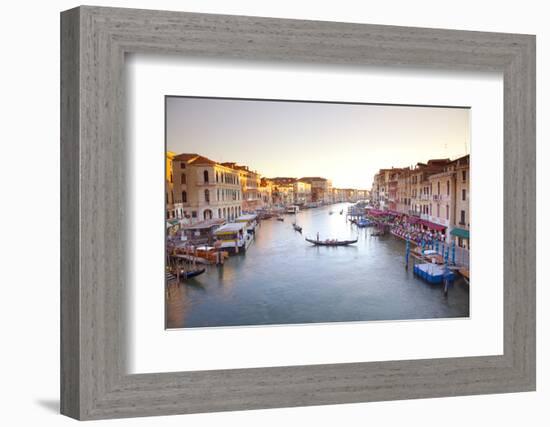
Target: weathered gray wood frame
<point x="94" y="42"/>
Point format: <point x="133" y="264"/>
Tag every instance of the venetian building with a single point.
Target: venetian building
<point x="283" y="190"/>
<point x="403" y="191"/>
<point x="321" y="188"/>
<point x="250" y="187"/>
<point x="302" y="192"/>
<point x="205" y="188"/>
<point x="266" y="190"/>
<point x="461" y="231"/>
<point x="173" y="210"/>
<point x="442" y="210"/>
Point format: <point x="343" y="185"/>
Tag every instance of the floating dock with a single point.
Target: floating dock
<point x="433" y="273"/>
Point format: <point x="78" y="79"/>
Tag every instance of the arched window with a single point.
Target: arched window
<point x="207" y="196"/>
<point x="183" y="178"/>
<point x="184" y="196"/>
<point x="224" y="212"/>
<point x="207" y="214"/>
<point x="219" y="213"/>
<point x="205" y="174"/>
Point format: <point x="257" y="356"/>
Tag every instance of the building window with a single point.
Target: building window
<point x="438" y="188"/>
<point x="217" y="177"/>
<point x="448" y="188"/>
<point x="438" y="211"/>
<point x="184" y="196"/>
<point x="463" y="194"/>
<point x="182" y="165"/>
<point x="205" y="175"/>
<point x="183" y="178"/>
<point x="193" y="214"/>
<point x="464" y="176"/>
<point x="207" y="196"/>
<point x="171" y="178"/>
<point x="462" y="217"/>
<point x="219" y="213"/>
<point x="447" y="211"/>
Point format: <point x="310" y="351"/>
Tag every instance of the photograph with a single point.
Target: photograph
<point x="298" y="212"/>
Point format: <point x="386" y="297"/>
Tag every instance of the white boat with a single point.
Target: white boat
<point x="292" y="209"/>
<point x="251" y="221"/>
<point x="234" y="237"/>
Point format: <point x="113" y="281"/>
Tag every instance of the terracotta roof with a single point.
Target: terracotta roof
<point x="312" y="178"/>
<point x="201" y="160"/>
<point x="194" y="158"/>
<point x="185" y="156"/>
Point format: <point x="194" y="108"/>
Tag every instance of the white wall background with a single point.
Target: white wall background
<point x="29" y="168"/>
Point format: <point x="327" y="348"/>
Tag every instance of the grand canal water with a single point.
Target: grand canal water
<point x="282" y="279"/>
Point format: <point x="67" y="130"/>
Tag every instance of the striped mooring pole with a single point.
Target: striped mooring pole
<point x="407" y="253"/>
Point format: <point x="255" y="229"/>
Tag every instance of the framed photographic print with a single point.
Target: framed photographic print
<point x="281" y="213"/>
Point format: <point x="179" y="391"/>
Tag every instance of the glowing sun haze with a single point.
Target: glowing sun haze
<point x="346" y="143"/>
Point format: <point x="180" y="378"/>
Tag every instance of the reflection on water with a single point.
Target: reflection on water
<point x="282" y="279"/>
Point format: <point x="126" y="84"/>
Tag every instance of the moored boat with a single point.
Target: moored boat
<point x="294" y="209"/>
<point x="233" y="237"/>
<point x="192" y="273"/>
<point x="363" y="222"/>
<point x="280" y="218"/>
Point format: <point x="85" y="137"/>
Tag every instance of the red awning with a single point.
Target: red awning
<point x="375" y="212"/>
<point x="432" y="225"/>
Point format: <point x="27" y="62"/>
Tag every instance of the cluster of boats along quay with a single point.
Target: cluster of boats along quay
<point x="363" y="264"/>
<point x="211" y="242"/>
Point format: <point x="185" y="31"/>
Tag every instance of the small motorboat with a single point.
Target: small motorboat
<point x="363" y="222"/>
<point x="330" y="212"/>
<point x="297" y="227"/>
<point x="342" y="211"/>
<point x="280" y="218"/>
<point x="331" y="242"/>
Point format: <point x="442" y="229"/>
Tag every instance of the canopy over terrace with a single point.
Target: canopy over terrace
<point x="201" y="225"/>
<point x="431" y="225"/>
<point x="246" y="218"/>
<point x="460" y="232"/>
<point x="230" y="229"/>
<point x="201" y="232"/>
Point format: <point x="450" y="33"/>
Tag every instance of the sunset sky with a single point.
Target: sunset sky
<point x="346" y="143"/>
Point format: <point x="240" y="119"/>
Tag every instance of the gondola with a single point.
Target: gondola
<point x="330" y="242"/>
<point x="189" y="274"/>
<point x="297" y="227"/>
